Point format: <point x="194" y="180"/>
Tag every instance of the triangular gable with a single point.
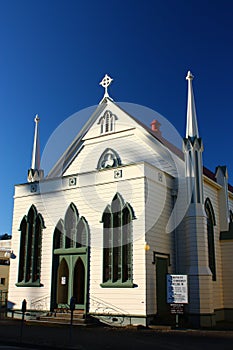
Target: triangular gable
<point x="119" y="122"/>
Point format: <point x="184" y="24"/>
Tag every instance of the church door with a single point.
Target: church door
<point x="70" y="281"/>
<point x="63" y="283"/>
<point x="161" y="287"/>
<point x="78" y="283"/>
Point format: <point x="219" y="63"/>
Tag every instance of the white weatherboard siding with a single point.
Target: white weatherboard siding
<point x="90" y="200"/>
<point x="158" y="211"/>
<point x="137" y="152"/>
<point x="227" y="264"/>
<point x="118" y="298"/>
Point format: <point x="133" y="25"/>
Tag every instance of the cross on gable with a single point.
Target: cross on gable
<point x="105" y="82"/>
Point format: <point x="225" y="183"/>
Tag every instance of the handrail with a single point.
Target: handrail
<point x="101" y="304"/>
<point x="40" y="303"/>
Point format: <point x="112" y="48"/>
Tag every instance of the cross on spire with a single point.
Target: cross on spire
<point x="105" y="82"/>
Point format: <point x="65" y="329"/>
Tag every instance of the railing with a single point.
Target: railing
<point x="108" y="313"/>
<point x="42" y="303"/>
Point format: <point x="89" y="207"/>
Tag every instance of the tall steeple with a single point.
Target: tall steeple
<point x="191" y="125"/>
<point x="196" y="257"/>
<point x="35" y="173"/>
<point x="193" y="149"/>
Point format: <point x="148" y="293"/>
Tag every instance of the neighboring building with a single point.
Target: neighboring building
<point x="123" y="216"/>
<point x="5" y="255"/>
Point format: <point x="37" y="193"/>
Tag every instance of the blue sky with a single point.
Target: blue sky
<point x="54" y="53"/>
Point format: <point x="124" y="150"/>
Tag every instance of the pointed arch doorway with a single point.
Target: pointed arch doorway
<point x="79" y="283"/>
<point x="62" y="286"/>
<point x="70" y="261"/>
<point x="71" y="281"/>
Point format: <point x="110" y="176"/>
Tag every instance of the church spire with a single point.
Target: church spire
<point x="191" y="126"/>
<point x="194" y="236"/>
<point x="35" y="173"/>
<point x="193" y="149"/>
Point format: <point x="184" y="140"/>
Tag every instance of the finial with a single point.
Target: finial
<point x="105" y="82"/>
<point x="189" y="76"/>
<point x="37" y="119"/>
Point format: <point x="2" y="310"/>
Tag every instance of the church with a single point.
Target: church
<point x="122" y="209"/>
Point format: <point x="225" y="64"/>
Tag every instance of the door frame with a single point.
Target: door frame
<point x="162" y="309"/>
<point x="71" y="256"/>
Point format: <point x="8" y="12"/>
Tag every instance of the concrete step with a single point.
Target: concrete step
<point x="61" y="320"/>
<point x="67" y="315"/>
<point x="65" y="319"/>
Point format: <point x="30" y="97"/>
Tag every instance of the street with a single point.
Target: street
<point x="84" y="338"/>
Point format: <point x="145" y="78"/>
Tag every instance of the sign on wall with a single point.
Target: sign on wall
<point x="177" y="289"/>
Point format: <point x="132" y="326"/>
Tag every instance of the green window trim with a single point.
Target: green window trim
<point x="71" y="235"/>
<point x="117" y="244"/>
<point x="29" y="284"/>
<point x="31" y="228"/>
<point x="118" y="284"/>
<point x="211" y="222"/>
<point x="69" y="251"/>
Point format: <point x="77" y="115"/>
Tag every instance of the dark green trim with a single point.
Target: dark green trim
<point x="69" y="251"/>
<point x="118" y="284"/>
<point x="227" y="235"/>
<point x="29" y="284"/>
<point x="29" y="268"/>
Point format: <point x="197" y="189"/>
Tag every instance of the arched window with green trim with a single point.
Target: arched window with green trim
<point x="58" y="236"/>
<point x="117" y="244"/>
<point x="210" y="237"/>
<point x="72" y="232"/>
<point x="70" y="223"/>
<point x="31" y="228"/>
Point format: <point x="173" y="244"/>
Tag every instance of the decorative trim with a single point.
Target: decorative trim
<point x="160" y="177"/>
<point x="117" y="174"/>
<point x="72" y="181"/>
<point x="108" y="159"/>
<point x="161" y="255"/>
<point x="33" y="188"/>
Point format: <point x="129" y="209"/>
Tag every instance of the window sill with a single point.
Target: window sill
<point x="29" y="284"/>
<point x="128" y="284"/>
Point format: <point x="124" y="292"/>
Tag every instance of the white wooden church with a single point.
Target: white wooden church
<point x="124" y="218"/>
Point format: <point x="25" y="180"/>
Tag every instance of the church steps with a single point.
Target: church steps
<point x="64" y="318"/>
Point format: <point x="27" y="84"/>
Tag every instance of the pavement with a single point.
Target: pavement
<point x="33" y="336"/>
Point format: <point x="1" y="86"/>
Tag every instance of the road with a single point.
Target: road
<point x="92" y="338"/>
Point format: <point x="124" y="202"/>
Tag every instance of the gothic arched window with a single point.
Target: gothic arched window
<point x="30" y="249"/>
<point x="108" y="159"/>
<point x="107" y="122"/>
<point x="117" y="244"/>
<point x="72" y="232"/>
<point x="210" y="237"/>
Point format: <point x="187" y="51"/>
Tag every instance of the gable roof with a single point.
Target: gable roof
<point x="76" y="146"/>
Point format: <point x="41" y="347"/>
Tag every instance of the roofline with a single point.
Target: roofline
<point x="67" y="156"/>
